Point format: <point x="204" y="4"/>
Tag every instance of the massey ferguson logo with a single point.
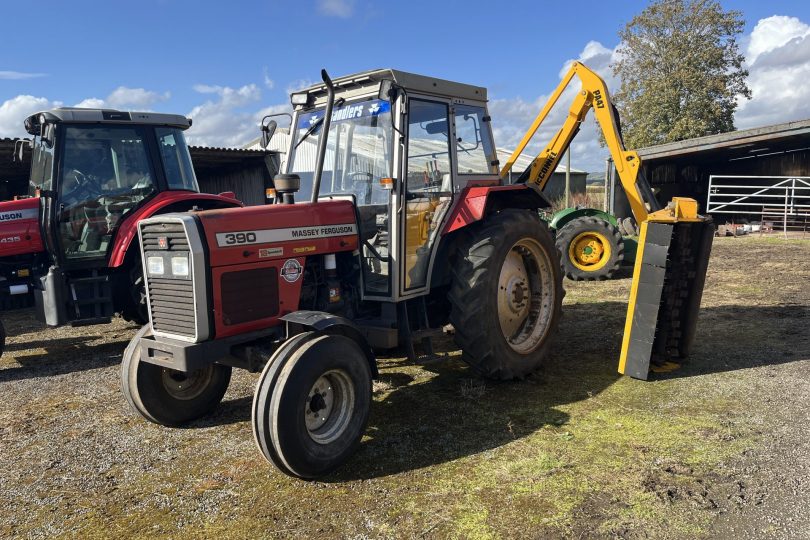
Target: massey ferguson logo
<point x="30" y="213"/>
<point x="163" y="242"/>
<point x="10" y="216"/>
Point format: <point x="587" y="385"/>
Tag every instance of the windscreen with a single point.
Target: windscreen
<point x="358" y="151"/>
<point x="105" y="173"/>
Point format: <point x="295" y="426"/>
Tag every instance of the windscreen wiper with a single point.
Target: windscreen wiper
<point x="317" y="124"/>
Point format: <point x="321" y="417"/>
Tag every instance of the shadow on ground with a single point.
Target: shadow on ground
<point x="63" y="356"/>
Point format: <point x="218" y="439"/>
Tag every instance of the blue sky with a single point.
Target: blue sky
<point x="227" y="62"/>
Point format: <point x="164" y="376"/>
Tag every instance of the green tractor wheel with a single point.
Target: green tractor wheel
<point x="590" y="249"/>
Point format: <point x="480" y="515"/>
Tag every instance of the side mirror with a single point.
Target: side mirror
<point x="268" y="131"/>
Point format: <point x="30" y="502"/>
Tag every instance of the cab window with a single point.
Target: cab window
<point x="474" y="147"/>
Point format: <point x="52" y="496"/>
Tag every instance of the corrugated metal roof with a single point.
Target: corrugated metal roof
<point x="731" y="140"/>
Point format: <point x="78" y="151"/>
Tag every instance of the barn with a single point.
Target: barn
<point x="759" y="174"/>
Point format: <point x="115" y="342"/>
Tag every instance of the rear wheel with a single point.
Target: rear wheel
<point x="506" y="295"/>
<point x="311" y="404"/>
<point x="2" y="338"/>
<point x="166" y="396"/>
<point x="590" y="249"/>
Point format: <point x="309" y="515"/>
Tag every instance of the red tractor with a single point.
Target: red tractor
<point x="94" y="174"/>
<point x="392" y="220"/>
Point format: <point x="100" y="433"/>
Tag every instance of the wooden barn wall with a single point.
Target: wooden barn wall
<point x="689" y="177"/>
<point x="247" y="182"/>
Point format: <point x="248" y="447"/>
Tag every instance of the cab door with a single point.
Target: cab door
<point x="427" y="191"/>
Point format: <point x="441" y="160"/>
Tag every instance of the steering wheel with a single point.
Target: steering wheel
<point x="366" y="179"/>
<point x="77" y="185"/>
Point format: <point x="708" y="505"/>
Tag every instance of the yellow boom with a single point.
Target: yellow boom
<point x="674" y="242"/>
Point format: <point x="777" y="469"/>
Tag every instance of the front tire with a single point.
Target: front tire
<point x="506" y="295"/>
<point x="590" y="249"/>
<point x="312" y="404"/>
<point x="168" y="397"/>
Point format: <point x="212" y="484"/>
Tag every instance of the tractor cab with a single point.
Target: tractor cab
<point x="402" y="147"/>
<point x="90" y="168"/>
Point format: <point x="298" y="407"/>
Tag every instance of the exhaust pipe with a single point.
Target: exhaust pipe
<point x="327" y="120"/>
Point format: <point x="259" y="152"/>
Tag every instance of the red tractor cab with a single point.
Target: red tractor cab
<point x="94" y="174"/>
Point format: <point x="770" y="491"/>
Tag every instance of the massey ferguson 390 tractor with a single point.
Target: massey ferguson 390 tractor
<point x="94" y="174"/>
<point x="392" y="219"/>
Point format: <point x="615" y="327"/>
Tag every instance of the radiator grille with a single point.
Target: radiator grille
<point x="171" y="300"/>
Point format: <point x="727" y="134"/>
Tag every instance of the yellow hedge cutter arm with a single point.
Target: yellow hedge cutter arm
<point x="674" y="242"/>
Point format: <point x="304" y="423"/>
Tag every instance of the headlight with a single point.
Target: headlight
<point x="180" y="266"/>
<point x="154" y="265"/>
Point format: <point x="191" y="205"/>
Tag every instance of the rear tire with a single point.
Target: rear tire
<point x="2" y="338"/>
<point x="506" y="294"/>
<point x="168" y="397"/>
<point x="590" y="249"/>
<point x="312" y="404"/>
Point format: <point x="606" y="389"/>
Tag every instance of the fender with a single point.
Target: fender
<point x="561" y="218"/>
<point x="476" y="202"/>
<point x="128" y="229"/>
<point x="328" y="323"/>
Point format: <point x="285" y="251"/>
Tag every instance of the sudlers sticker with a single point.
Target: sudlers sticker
<point x="291" y="270"/>
<point x="265" y="253"/>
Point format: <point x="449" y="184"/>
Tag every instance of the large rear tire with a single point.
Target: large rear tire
<point x="168" y="397"/>
<point x="312" y="404"/>
<point x="506" y="294"/>
<point x="590" y="249"/>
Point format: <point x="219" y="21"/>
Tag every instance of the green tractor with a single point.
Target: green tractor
<point x="593" y="244"/>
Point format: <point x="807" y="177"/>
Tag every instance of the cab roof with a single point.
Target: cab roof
<point x="366" y="80"/>
<point x="77" y="115"/>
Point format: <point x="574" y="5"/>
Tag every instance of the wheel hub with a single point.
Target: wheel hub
<point x="329" y="406"/>
<point x="525" y="296"/>
<point x="186" y="386"/>
<point x="589" y="251"/>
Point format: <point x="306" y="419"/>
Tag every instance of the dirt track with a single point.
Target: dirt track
<point x="718" y="448"/>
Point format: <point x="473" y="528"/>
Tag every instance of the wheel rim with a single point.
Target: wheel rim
<point x="589" y="251"/>
<point x="525" y="296"/>
<point x="329" y="406"/>
<point x="187" y="386"/>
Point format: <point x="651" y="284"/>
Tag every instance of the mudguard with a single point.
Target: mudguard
<point x="475" y="202"/>
<point x="128" y="229"/>
<point x="329" y="323"/>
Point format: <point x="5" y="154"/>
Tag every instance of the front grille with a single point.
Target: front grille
<point x="171" y="300"/>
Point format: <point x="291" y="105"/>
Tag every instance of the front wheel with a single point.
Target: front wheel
<point x="506" y="295"/>
<point x="166" y="396"/>
<point x="312" y="404"/>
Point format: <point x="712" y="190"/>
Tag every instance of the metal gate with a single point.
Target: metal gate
<point x="785" y="200"/>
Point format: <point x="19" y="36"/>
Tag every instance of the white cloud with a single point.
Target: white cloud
<point x="126" y="98"/>
<point x="15" y="110"/>
<point x="512" y="117"/>
<point x="19" y="75"/>
<point x="91" y="103"/>
<point x="228" y="121"/>
<point x="778" y="61"/>
<point x="268" y="82"/>
<point x="336" y="8"/>
<point x="298" y="84"/>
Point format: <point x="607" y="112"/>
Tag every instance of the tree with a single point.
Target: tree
<point x="681" y="72"/>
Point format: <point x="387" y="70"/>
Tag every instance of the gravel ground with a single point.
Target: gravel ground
<point x="716" y="449"/>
